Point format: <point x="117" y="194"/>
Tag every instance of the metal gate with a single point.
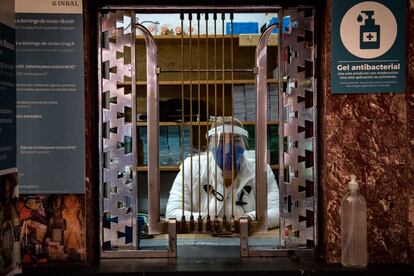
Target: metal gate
<point x="118" y="142"/>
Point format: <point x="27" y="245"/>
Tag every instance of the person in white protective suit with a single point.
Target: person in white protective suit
<point x="228" y="157"/>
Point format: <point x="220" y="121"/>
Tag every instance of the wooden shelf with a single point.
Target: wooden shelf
<point x="243" y="40"/>
<point x="143" y="124"/>
<point x="269" y="123"/>
<point x="203" y="82"/>
<point x="202" y="36"/>
<point x="170" y="168"/>
<point x="175" y="123"/>
<point x="193" y="36"/>
<point x="176" y="168"/>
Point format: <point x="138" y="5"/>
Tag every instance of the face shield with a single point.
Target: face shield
<point x="227" y="144"/>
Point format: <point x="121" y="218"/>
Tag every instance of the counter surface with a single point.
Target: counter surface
<point x="230" y="266"/>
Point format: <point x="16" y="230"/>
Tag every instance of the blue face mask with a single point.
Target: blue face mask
<point x="227" y="158"/>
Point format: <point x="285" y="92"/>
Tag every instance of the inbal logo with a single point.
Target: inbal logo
<point x="65" y="3"/>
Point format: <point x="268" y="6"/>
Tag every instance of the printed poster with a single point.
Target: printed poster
<point x="368" y="46"/>
<point x="50" y="97"/>
<point x="10" y="261"/>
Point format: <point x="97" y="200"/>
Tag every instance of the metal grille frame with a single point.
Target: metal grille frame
<point x="298" y="150"/>
<point x="117" y="157"/>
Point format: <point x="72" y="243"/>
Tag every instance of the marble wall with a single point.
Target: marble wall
<point x="372" y="136"/>
<point x="410" y="125"/>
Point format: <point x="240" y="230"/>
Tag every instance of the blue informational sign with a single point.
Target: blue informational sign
<point x="7" y="98"/>
<point x="10" y="257"/>
<point x="50" y="102"/>
<point x="368" y="46"/>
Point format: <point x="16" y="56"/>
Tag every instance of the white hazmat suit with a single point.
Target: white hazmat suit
<point x="243" y="186"/>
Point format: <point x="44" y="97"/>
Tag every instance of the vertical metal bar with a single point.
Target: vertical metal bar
<point x="261" y="129"/>
<point x="232" y="115"/>
<point x="281" y="126"/>
<point x="200" y="223"/>
<point x="223" y="113"/>
<point x="100" y="90"/>
<point x="152" y="132"/>
<point x="134" y="133"/>
<point x="207" y="128"/>
<point x="182" y="124"/>
<point x="244" y="237"/>
<point x="315" y="130"/>
<point x="215" y="116"/>
<point x="172" y="238"/>
<point x="198" y="113"/>
<point x="190" y="18"/>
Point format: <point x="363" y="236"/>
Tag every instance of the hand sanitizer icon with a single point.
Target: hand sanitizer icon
<point x="369" y="33"/>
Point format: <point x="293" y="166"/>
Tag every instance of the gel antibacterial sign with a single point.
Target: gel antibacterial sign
<point x="368" y="46"/>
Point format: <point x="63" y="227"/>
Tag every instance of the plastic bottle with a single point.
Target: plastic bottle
<point x="354" y="227"/>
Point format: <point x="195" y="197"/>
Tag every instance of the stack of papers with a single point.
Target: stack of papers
<point x="244" y="102"/>
<point x="273" y="103"/>
<point x="239" y="102"/>
<point x="250" y="95"/>
<point x="170" y="145"/>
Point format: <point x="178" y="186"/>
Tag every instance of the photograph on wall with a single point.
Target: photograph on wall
<point x="52" y="229"/>
<point x="9" y="225"/>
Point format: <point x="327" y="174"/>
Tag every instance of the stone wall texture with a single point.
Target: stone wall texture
<point x="371" y="136"/>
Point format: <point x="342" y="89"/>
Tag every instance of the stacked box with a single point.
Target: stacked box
<point x="169" y="156"/>
<point x="251" y="142"/>
<point x="164" y="146"/>
<point x="272" y="141"/>
<point x="239" y="102"/>
<point x="242" y="28"/>
<point x="170" y="145"/>
<point x="286" y="24"/>
<point x="250" y="96"/>
<point x="174" y="144"/>
<point x="273" y="103"/>
<point x="187" y="142"/>
<point x="142" y="146"/>
<point x="273" y="144"/>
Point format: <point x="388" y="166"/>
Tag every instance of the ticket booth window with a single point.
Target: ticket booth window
<point x="207" y="131"/>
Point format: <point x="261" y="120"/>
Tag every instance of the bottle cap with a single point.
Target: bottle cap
<point x="353" y="184"/>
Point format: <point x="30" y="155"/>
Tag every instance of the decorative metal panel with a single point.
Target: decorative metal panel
<point x="298" y="110"/>
<point x="117" y="132"/>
